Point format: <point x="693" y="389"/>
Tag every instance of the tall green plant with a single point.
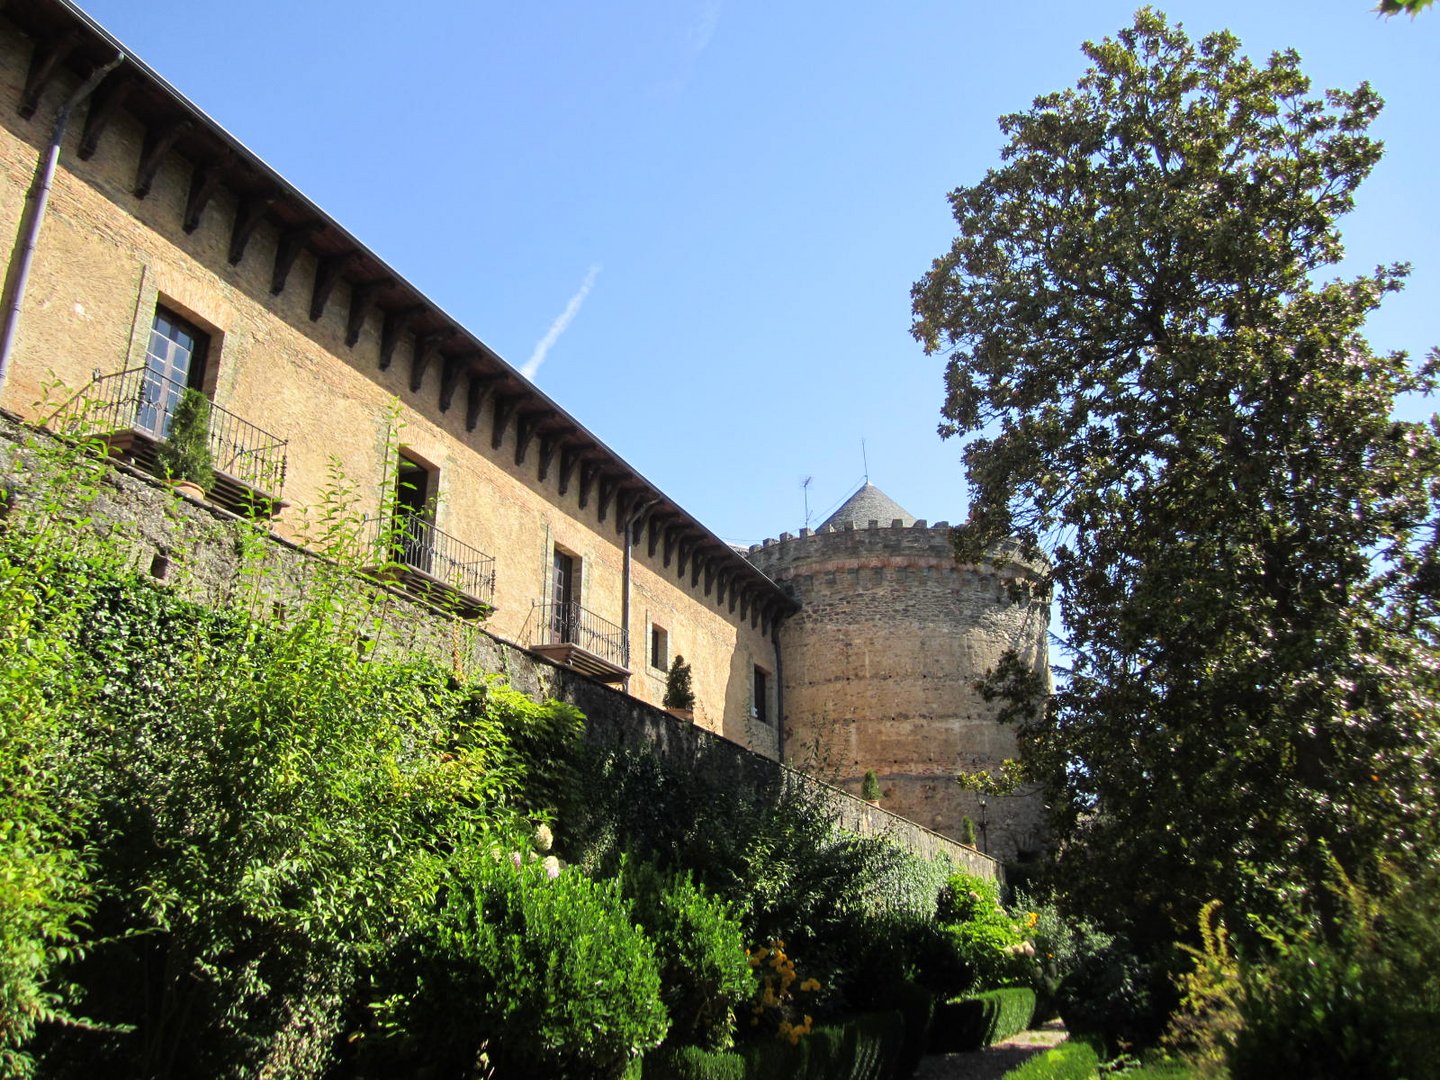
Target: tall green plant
<point x="185" y="452"/>
<point x="678" y="694"/>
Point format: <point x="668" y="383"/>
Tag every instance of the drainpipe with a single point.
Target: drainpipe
<point x="40" y="196"/>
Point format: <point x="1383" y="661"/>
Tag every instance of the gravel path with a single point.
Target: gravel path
<point x="994" y="1061"/>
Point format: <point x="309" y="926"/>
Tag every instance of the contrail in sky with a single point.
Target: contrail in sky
<point x="559" y="326"/>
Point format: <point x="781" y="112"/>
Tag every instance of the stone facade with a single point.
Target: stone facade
<point x="204" y="552"/>
<point x="865" y="642"/>
<point x="321" y="346"/>
<point x="881" y="666"/>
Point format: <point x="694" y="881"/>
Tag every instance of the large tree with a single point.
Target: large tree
<point x="1164" y="397"/>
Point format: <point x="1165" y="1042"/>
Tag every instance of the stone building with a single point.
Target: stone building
<point x="153" y="254"/>
<point x="882" y="659"/>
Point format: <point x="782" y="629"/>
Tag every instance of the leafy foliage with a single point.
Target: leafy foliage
<point x="678" y="693"/>
<point x="701" y="954"/>
<point x="551" y="971"/>
<point x="981" y="1019"/>
<point x="1161" y="396"/>
<point x="185" y="452"/>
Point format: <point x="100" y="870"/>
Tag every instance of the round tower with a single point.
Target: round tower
<point x="882" y="662"/>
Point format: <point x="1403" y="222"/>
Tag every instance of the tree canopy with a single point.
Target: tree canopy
<point x="1162" y="395"/>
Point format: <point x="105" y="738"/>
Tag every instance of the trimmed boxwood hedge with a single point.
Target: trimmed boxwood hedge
<point x="917" y="1008"/>
<point x="972" y="1022"/>
<point x="1068" y="1061"/>
<point x="693" y="1063"/>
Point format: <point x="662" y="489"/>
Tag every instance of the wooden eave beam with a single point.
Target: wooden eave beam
<point x="397" y="321"/>
<point x="159" y="138"/>
<point x="292" y="243"/>
<point x="672" y="537"/>
<point x="549" y="443"/>
<point x="695" y="566"/>
<point x="744" y="605"/>
<point x="570" y="457"/>
<point x="362" y="299"/>
<point x="105" y="102"/>
<point x="425" y="349"/>
<point x="589" y="471"/>
<point x="45" y="63"/>
<point x="451" y="372"/>
<point x="327" y="274"/>
<point x="608" y="488"/>
<point x="652" y="541"/>
<point x="204" y="182"/>
<point x="248" y="216"/>
<point x="683" y="551"/>
<point x="709" y="576"/>
<point x="504" y="410"/>
<point x="526" y="425"/>
<point x="734" y="597"/>
<point x="475" y="395"/>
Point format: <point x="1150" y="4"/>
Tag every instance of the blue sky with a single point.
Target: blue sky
<point x="702" y="218"/>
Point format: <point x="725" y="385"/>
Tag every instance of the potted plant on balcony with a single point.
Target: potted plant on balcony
<point x="870" y="788"/>
<point x="184" y="457"/>
<point x="679" y="698"/>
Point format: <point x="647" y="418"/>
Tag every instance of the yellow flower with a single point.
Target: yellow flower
<point x="810" y="985"/>
<point x="1031" y="919"/>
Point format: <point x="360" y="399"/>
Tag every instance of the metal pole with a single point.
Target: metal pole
<point x="40" y="197"/>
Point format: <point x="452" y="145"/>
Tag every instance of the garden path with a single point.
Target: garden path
<point x="992" y="1062"/>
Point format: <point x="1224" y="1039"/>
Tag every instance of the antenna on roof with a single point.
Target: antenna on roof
<point x="805" y="487"/>
<point x="864" y="459"/>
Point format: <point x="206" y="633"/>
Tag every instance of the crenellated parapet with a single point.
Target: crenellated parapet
<point x="884" y="657"/>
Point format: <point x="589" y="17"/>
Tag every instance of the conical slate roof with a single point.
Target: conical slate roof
<point x="867" y="505"/>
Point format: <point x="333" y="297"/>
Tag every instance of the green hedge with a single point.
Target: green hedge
<point x="693" y="1063"/>
<point x="864" y="1047"/>
<point x="1068" y="1061"/>
<point x="775" y="1059"/>
<point x="917" y="1008"/>
<point x="972" y="1022"/>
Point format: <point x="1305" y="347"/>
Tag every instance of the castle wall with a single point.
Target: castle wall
<point x="197" y="550"/>
<point x="107" y="257"/>
<point x="881" y="666"/>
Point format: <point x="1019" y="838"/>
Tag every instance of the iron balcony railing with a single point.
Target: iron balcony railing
<point x="142" y="400"/>
<point x="571" y="624"/>
<point x="412" y="543"/>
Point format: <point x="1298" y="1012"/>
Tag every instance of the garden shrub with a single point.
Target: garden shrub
<point x="550" y="971"/>
<point x="693" y="1063"/>
<point x="704" y="974"/>
<point x="875" y="1042"/>
<point x="972" y="1022"/>
<point x="1117" y="996"/>
<point x="917" y="1010"/>
<point x="831" y="1050"/>
<point x="1356" y="994"/>
<point x="775" y="1059"/>
<point x="1075" y="1060"/>
<point x="775" y="856"/>
<point x="984" y="946"/>
<point x="1061" y="941"/>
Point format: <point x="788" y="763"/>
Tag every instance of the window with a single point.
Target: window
<point x="174" y="361"/>
<point x="416" y="485"/>
<point x="565" y="597"/>
<point x="659" y="647"/>
<point x="760" y="705"/>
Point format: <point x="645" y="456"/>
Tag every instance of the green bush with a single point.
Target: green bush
<point x="693" y="1063"/>
<point x="775" y="1059"/>
<point x="185" y="452"/>
<point x="875" y="1045"/>
<point x="981" y="946"/>
<point x="917" y="1009"/>
<point x="775" y="856"/>
<point x="986" y="1018"/>
<point x="1061" y="942"/>
<point x="1075" y="1060"/>
<point x="704" y="974"/>
<point x="1357" y="995"/>
<point x="1117" y="997"/>
<point x="831" y="1050"/>
<point x="550" y="971"/>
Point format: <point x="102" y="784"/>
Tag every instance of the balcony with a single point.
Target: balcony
<point x="432" y="565"/>
<point x="130" y="412"/>
<point x="576" y="637"/>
